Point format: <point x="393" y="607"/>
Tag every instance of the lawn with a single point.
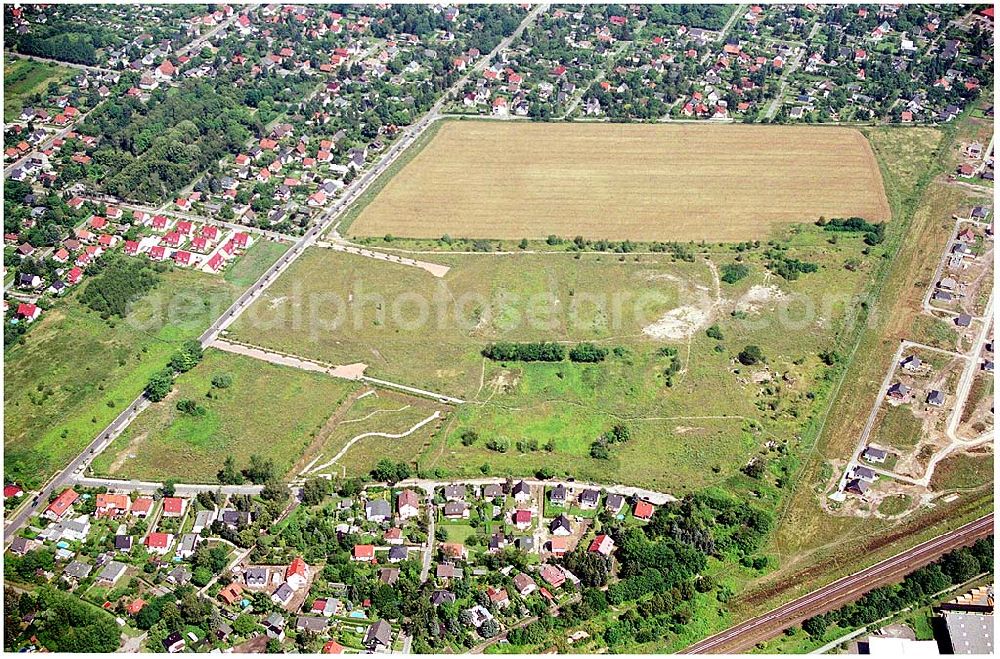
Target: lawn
<point x="23" y="78"/>
<point x="271" y="411"/>
<point x="75" y="372"/>
<point x="487" y="179"/>
<point x="248" y="269"/>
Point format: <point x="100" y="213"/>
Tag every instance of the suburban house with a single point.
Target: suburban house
<point x="408" y="504"/>
<point x="61" y="504"/>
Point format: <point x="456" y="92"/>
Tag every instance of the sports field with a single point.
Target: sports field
<point x="483" y="179"/>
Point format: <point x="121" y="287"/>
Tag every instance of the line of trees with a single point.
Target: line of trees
<point x="954" y="568"/>
<point x="544" y="351"/>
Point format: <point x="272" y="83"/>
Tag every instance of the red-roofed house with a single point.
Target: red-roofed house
<point x="158" y="542"/>
<point x="522" y="519"/>
<point x="131" y="247"/>
<point x="98" y="222"/>
<point x="173" y="506"/>
<point x="182" y="257"/>
<point x="28" y="312"/>
<point x="602" y="544"/>
<point x="61" y="504"/>
<point x="157" y="252"/>
<point x="74" y="276"/>
<point x="215" y="263"/>
<point x="363" y="552"/>
<point x="141" y="506"/>
<point x="333" y="647"/>
<point x="295" y="574"/>
<point x="112" y="505"/>
<point x="643" y="510"/>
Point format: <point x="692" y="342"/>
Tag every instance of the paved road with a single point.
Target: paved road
<point x="181" y="489"/>
<point x="747" y="634"/>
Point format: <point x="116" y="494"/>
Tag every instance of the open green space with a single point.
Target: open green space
<point x="75" y="372"/>
<point x="896" y="426"/>
<point x="23" y="79"/>
<point x="380" y="411"/>
<point x="270" y="411"/>
<point x="413" y="328"/>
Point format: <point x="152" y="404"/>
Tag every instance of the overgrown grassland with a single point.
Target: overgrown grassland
<point x="271" y="411"/>
<point x="74" y="372"/>
<point x="22" y="78"/>
<point x="702" y="429"/>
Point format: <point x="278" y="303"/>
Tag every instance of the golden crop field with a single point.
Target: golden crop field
<point x="512" y="180"/>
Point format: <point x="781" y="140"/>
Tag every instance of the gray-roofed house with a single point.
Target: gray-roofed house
<point x="282" y="594"/>
<point x="525" y="543"/>
<point x="963" y="320"/>
<point x="378" y="510"/>
<point x="524" y="584"/>
<point x="21" y="546"/>
<point x="189" y="542"/>
<point x="77" y="570"/>
<point x="456" y="510"/>
<point x="448" y="571"/>
<point x="492" y="491"/>
<point x="112" y="572"/>
<point x="454" y="492"/>
<point x="388" y="575"/>
<point x="935" y="398"/>
<point x="310" y="624"/>
<point x="397" y="553"/>
<point x="589" y="498"/>
<point x="613" y="503"/>
<point x="255" y="576"/>
<point x="439" y="597"/>
<point x="274" y="625"/>
<point x="236" y="518"/>
<point x="202" y="520"/>
<point x="123" y="543"/>
<point x="911" y="363"/>
<point x="872" y="454"/>
<point x="858" y="486"/>
<point x="864" y="473"/>
<point x="557" y="495"/>
<point x="898" y="390"/>
<point x="180" y="575"/>
<point x="521" y="491"/>
<point x="379" y="635"/>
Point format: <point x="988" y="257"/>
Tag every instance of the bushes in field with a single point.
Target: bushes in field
<point x="874" y="231"/>
<point x="751" y="355"/>
<point x="546" y="351"/>
<point x="733" y="272"/>
<point x="587" y="353"/>
<point x="601" y="448"/>
<point x="788" y="268"/>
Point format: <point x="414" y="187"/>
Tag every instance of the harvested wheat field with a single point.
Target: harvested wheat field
<point x="512" y="180"/>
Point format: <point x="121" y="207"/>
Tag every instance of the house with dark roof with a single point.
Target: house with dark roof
<point x="560" y="526"/>
<point x="557" y="495"/>
<point x="439" y="597"/>
<point x="378" y="510"/>
<point x="521" y="491"/>
<point x="589" y="498"/>
<point x="378" y="636"/>
<point x="454" y="492"/>
<point x="872" y="454"/>
<point x="935" y="398"/>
